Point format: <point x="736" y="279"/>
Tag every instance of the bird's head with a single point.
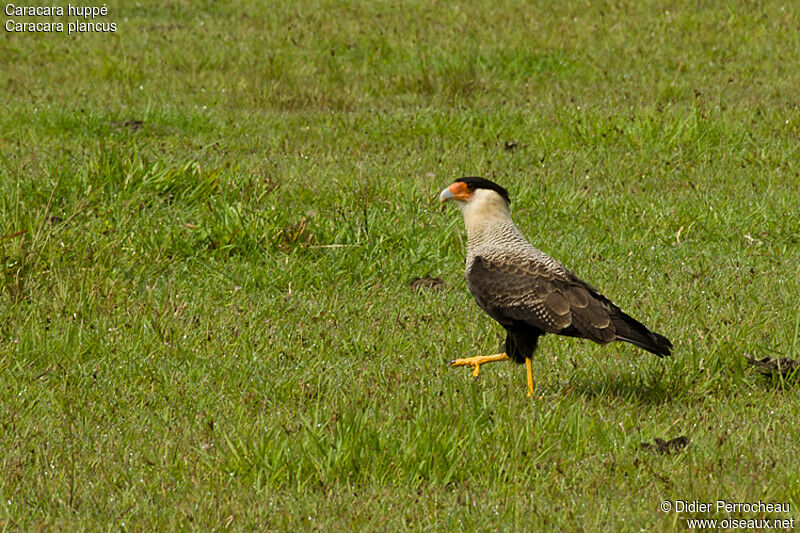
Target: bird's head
<point x="473" y="192"/>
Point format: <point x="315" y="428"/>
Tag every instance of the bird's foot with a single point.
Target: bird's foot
<point x="478" y="360"/>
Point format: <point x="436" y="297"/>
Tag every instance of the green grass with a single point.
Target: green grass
<point x="182" y="346"/>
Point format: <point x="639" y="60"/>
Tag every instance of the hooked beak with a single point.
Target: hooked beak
<point x="446" y="195"/>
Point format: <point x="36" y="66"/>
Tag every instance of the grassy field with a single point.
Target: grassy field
<point x="210" y="218"/>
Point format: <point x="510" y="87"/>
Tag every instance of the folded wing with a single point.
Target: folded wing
<point x="554" y="302"/>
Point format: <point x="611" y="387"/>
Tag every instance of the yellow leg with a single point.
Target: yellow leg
<point x="477" y="361"/>
<point x="530" y="376"/>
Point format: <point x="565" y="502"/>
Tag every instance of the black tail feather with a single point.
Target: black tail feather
<point x="634" y="332"/>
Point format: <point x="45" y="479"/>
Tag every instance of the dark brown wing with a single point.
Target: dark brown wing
<point x="553" y="302"/>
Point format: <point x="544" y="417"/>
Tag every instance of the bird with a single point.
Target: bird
<point x="528" y="292"/>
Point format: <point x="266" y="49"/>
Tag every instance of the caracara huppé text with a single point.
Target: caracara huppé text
<point x="528" y="292"/>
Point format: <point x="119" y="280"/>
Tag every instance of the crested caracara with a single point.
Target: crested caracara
<point x="528" y="292"/>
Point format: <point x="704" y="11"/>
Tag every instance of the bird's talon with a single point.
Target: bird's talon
<point x="476" y="362"/>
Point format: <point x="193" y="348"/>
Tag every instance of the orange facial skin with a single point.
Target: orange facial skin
<point x="457" y="191"/>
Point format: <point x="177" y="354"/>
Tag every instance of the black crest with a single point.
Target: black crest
<point x="482" y="183"/>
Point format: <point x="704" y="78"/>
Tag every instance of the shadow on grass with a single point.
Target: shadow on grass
<point x="652" y="388"/>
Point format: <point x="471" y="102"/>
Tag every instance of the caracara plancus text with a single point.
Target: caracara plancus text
<point x="528" y="292"/>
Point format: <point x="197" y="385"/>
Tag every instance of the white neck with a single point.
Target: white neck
<point x="485" y="213"/>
